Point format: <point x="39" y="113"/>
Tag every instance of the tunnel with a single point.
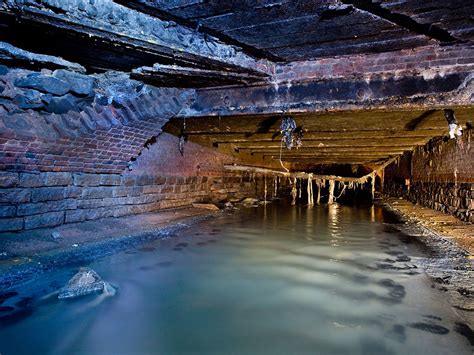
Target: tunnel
<point x="246" y="177"/>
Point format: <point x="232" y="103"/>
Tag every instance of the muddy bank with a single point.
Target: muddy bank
<point x="26" y="255"/>
<point x="449" y="261"/>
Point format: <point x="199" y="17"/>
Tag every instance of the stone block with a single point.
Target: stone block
<point x="167" y="189"/>
<point x="135" y="191"/>
<point x="144" y="180"/>
<point x="122" y="211"/>
<point x="110" y="180"/>
<point x="72" y="192"/>
<point x="87" y="179"/>
<point x="7" y="211"/>
<point x="120" y="191"/>
<point x="76" y="216"/>
<point x="159" y="180"/>
<point x="80" y="84"/>
<point x="89" y="214"/>
<point x="49" y="219"/>
<point x="58" y="179"/>
<point x="171" y="180"/>
<point x="8" y="179"/>
<point x="28" y="209"/>
<point x="97" y="192"/>
<point x="11" y="224"/>
<point x="153" y="189"/>
<point x="31" y="180"/>
<point x="67" y="103"/>
<point x="43" y="83"/>
<point x="3" y="70"/>
<point x="15" y="195"/>
<point x="30" y="100"/>
<point x="98" y="202"/>
<point x="47" y="194"/>
<point x="129" y="180"/>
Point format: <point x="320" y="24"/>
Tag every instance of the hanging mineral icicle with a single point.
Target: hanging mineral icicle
<point x="299" y="187"/>
<point x="318" y="184"/>
<point x="275" y="187"/>
<point x="294" y="192"/>
<point x="182" y="138"/>
<point x="265" y="190"/>
<point x="310" y="190"/>
<point x="373" y="184"/>
<point x="331" y="191"/>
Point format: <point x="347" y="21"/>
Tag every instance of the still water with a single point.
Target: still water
<point x="267" y="280"/>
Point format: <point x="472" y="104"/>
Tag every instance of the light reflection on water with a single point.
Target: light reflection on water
<point x="272" y="280"/>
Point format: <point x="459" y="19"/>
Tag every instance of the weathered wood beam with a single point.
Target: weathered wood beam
<point x="331" y="153"/>
<point x="186" y="77"/>
<point x="274" y="135"/>
<point x="161" y="11"/>
<point x="109" y="42"/>
<point x="368" y="142"/>
<point x="304" y="175"/>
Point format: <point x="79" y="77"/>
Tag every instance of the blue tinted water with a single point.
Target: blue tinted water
<point x="268" y="280"/>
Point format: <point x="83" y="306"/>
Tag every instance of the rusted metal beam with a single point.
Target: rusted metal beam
<point x="406" y="92"/>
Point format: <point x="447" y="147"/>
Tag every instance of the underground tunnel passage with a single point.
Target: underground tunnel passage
<point x="245" y="177"/>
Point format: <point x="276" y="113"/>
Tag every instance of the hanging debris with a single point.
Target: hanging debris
<point x="291" y="135"/>
<point x="182" y="138"/>
<point x="344" y="186"/>
<point x="454" y="128"/>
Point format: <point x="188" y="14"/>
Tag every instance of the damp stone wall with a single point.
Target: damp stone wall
<point x="76" y="147"/>
<point x="439" y="175"/>
<point x="36" y="200"/>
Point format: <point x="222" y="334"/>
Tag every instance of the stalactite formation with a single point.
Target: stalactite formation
<point x="310" y="190"/>
<point x="265" y="189"/>
<point x="275" y="186"/>
<point x="300" y="187"/>
<point x="293" y="192"/>
<point x="332" y="184"/>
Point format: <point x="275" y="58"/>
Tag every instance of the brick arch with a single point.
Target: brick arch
<point x="99" y="139"/>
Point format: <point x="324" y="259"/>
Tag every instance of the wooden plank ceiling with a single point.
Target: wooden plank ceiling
<point x="289" y="30"/>
<point x="329" y="138"/>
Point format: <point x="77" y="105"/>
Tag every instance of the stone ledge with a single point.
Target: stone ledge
<point x="30" y="253"/>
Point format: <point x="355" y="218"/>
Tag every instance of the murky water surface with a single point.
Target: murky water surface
<point x="273" y="280"/>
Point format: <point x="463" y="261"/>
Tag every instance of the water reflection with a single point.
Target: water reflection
<point x="268" y="280"/>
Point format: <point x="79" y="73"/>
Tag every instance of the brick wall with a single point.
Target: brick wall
<point x="403" y="62"/>
<point x="439" y="175"/>
<point x="164" y="155"/>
